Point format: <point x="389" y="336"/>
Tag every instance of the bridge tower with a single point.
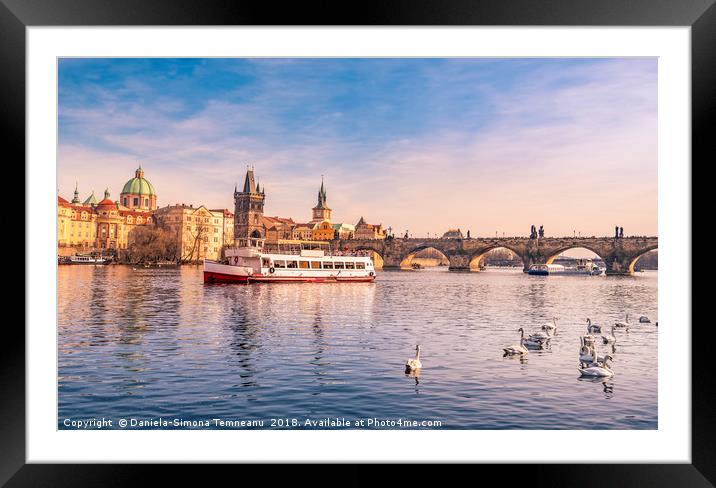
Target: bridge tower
<point x="249" y="209"/>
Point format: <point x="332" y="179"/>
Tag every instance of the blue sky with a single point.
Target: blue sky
<point x="491" y="145"/>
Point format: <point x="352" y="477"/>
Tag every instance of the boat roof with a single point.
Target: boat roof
<point x="296" y="241"/>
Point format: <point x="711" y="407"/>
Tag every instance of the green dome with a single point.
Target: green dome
<point x="139" y="185"/>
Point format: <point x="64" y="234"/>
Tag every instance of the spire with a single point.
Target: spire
<point x="76" y="199"/>
<point x="249" y="185"/>
<point x="322" y="200"/>
<point x="258" y="190"/>
<point x="106" y="193"/>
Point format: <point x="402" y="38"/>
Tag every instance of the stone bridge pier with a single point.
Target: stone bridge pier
<point x="619" y="255"/>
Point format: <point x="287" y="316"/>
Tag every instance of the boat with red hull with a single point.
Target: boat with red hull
<point x="252" y="261"/>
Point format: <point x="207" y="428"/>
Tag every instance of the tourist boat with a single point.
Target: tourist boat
<point x="254" y="261"/>
<point x="84" y="259"/>
<point x="583" y="267"/>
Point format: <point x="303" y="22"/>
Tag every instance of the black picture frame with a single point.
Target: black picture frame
<point x="16" y="15"/>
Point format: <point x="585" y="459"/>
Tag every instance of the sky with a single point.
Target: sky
<point x="488" y="145"/>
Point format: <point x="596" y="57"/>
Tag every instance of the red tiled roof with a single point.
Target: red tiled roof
<point x="106" y="202"/>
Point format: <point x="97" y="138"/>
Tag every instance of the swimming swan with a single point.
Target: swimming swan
<point x="595" y="369"/>
<point x="610" y="339"/>
<point x="414" y="364"/>
<point x="624" y="324"/>
<point x="593" y="327"/>
<point x="551" y="328"/>
<point x="521" y="349"/>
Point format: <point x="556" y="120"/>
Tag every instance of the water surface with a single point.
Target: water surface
<point x="161" y="344"/>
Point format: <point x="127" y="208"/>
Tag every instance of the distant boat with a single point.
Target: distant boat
<point x="83" y="259"/>
<point x="545" y="269"/>
<point x="583" y="267"/>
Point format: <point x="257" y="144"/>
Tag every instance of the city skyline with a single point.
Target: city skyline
<point x="486" y="145"/>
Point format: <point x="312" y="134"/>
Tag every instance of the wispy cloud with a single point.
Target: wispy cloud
<point x="487" y="145"/>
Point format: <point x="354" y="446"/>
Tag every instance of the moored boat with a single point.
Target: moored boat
<point x="85" y="259"/>
<point x="253" y="261"/>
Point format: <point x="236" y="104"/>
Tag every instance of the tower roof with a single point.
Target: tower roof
<point x="322" y="200"/>
<point x="250" y="185"/>
<point x="76" y="198"/>
<point x="139" y="185"/>
<point x="91" y="200"/>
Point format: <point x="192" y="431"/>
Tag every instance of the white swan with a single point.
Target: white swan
<point x="414" y="364"/>
<point x="585" y="352"/>
<point x="551" y="327"/>
<point x="587" y="340"/>
<point x="600" y="370"/>
<point x="521" y="349"/>
<point x="624" y="324"/>
<point x="610" y="339"/>
<point x="593" y="327"/>
<point x="540" y="335"/>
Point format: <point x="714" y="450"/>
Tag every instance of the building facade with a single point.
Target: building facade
<point x="90" y="225"/>
<point x="200" y="233"/>
<point x="365" y="230"/>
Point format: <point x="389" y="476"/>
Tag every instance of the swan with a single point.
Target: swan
<point x="585" y="352"/>
<point x="624" y="324"/>
<point x="610" y="339"/>
<point x="596" y="369"/>
<point x="593" y="327"/>
<point x="588" y="339"/>
<point x="414" y="364"/>
<point x="540" y="335"/>
<point x="644" y="320"/>
<point x="521" y="349"/>
<point x="534" y="343"/>
<point x="551" y="327"/>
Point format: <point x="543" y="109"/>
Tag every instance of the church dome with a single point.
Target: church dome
<point x="139" y="185"/>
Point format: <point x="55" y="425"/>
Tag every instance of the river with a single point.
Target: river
<point x="151" y="344"/>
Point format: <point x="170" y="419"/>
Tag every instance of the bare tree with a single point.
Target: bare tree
<point x="198" y="238"/>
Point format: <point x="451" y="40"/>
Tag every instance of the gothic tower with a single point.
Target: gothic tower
<point x="321" y="211"/>
<point x="248" y="209"/>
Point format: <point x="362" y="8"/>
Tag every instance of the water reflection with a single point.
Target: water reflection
<point x="159" y="341"/>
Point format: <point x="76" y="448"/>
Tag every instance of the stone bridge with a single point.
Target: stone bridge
<point x="465" y="254"/>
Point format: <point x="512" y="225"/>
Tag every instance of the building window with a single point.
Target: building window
<point x="146" y="202"/>
<point x="136" y="202"/>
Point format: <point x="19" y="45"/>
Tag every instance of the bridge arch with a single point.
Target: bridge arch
<point x="378" y="254"/>
<point x="477" y="256"/>
<point x="407" y="258"/>
<point x="599" y="252"/>
<point x="633" y="260"/>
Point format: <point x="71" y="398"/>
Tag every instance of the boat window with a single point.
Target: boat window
<point x="339" y="264"/>
<point x="327" y="265"/>
<point x="303" y="264"/>
<point x="360" y="265"/>
<point x="291" y="264"/>
<point x="350" y="265"/>
<point x="266" y="262"/>
<point x="279" y="264"/>
<point x="316" y="264"/>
